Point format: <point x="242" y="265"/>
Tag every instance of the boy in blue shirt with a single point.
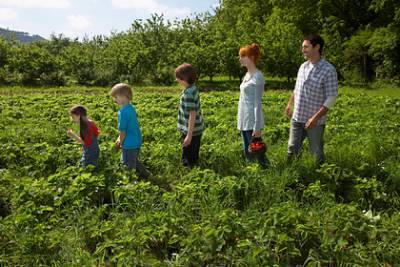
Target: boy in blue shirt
<point x="130" y="136"/>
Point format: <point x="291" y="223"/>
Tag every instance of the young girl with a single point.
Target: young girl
<point x="88" y="134"/>
<point x="190" y="118"/>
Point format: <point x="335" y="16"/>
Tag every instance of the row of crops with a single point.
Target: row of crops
<point x="223" y="213"/>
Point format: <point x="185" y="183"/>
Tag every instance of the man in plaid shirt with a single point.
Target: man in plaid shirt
<point x="314" y="94"/>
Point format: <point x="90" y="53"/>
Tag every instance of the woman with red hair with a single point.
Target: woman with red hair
<point x="250" y="115"/>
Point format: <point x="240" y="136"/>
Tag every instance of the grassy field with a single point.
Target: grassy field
<point x="223" y="213"/>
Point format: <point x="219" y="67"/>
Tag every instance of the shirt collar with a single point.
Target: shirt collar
<point x="126" y="105"/>
<point x="318" y="64"/>
<point x="187" y="88"/>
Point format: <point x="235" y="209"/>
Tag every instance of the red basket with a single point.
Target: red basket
<point x="257" y="146"/>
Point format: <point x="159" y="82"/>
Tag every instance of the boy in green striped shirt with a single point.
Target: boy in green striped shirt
<point x="190" y="118"/>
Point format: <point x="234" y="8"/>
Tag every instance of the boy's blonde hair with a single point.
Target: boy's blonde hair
<point x="122" y="89"/>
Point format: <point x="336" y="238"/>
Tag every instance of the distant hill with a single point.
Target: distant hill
<point x="23" y="37"/>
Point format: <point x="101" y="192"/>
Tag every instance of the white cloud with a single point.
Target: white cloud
<point x="78" y="23"/>
<point x="151" y="6"/>
<point x="8" y="14"/>
<point x="216" y="5"/>
<point x="36" y="3"/>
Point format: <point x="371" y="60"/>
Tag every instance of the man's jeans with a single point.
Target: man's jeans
<point x="315" y="137"/>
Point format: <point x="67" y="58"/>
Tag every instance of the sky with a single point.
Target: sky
<point x="79" y="18"/>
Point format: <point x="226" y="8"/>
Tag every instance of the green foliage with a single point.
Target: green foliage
<point x="384" y="49"/>
<point x="222" y="213"/>
<point x="282" y="53"/>
<point x="31" y="64"/>
<point x="362" y="41"/>
<point x="356" y="57"/>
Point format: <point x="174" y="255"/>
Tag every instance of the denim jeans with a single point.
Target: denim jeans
<point x="91" y="154"/>
<point x="315" y="137"/>
<point x="190" y="154"/>
<point x="129" y="158"/>
<point x="262" y="159"/>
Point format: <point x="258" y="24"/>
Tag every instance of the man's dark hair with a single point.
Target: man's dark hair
<point x="315" y="39"/>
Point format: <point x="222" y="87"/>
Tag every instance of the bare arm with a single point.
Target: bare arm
<point x="289" y="107"/>
<point x="192" y="118"/>
<point x="314" y="119"/>
<point x="121" y="139"/>
<point x="74" y="136"/>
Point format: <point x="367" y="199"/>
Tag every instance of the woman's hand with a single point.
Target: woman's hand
<point x="256" y="134"/>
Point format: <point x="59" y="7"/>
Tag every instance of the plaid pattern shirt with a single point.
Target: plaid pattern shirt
<point x="314" y="84"/>
<point x="190" y="100"/>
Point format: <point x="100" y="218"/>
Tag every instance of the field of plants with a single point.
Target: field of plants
<point x="223" y="213"/>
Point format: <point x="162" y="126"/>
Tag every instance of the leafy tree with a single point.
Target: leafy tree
<point x="358" y="62"/>
<point x="384" y="46"/>
<point x="30" y="64"/>
<point x="79" y="63"/>
<point x="155" y="41"/>
<point x="4" y="54"/>
<point x="199" y="45"/>
<point x="362" y="41"/>
<point x="282" y="46"/>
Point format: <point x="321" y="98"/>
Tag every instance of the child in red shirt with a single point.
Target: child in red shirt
<point x="88" y="134"/>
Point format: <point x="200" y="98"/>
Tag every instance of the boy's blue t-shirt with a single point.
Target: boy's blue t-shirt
<point x="128" y="123"/>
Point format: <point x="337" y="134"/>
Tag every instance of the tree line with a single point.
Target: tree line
<point x="362" y="41"/>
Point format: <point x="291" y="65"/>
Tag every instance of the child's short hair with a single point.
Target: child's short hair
<point x="122" y="89"/>
<point x="186" y="72"/>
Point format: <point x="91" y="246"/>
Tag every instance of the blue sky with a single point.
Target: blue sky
<point x="77" y="18"/>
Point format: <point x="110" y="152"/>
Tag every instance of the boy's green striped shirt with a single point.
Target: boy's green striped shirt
<point x="190" y="100"/>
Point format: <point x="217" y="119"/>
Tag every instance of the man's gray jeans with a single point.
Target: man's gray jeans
<point x="315" y="137"/>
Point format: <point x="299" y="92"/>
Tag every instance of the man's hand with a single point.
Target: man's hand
<point x="289" y="107"/>
<point x="314" y="119"/>
<point x="187" y="141"/>
<point x="311" y="122"/>
<point x="289" y="111"/>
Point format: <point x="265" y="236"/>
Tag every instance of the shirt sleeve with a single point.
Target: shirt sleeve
<point x="190" y="101"/>
<point x="329" y="102"/>
<point x="331" y="83"/>
<point x="122" y="121"/>
<point x="299" y="77"/>
<point x="258" y="116"/>
<point x="95" y="129"/>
